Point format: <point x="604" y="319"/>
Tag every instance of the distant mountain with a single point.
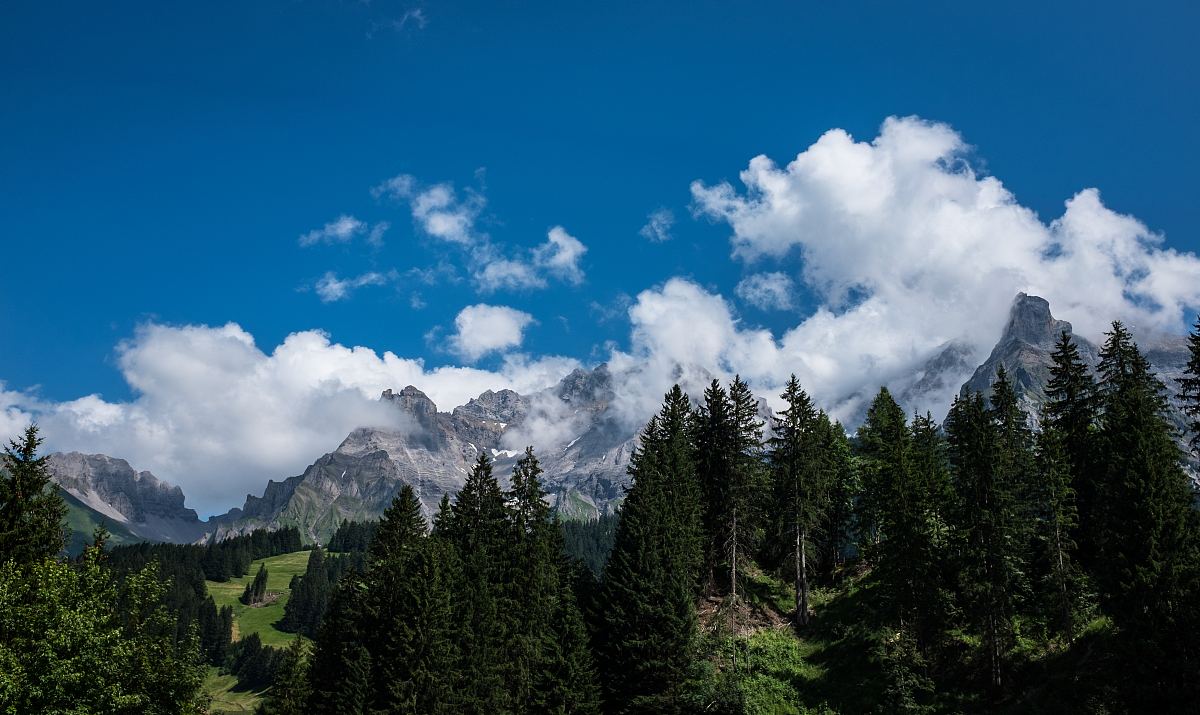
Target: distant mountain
<point x="133" y="505"/>
<point x="583" y="444"/>
<point x="584" y="461"/>
<point x="1028" y="340"/>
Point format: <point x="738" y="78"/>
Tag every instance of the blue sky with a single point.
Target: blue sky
<point x="161" y="161"/>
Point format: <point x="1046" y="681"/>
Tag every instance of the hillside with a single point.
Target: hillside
<point x="259" y="619"/>
<point x="82" y="521"/>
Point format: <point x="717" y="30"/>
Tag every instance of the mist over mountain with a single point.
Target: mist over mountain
<point x="579" y="428"/>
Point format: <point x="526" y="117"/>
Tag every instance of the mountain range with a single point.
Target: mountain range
<point x="585" y="461"/>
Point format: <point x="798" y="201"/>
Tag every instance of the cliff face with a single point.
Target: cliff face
<point x="1028" y="340"/>
<point x="146" y="506"/>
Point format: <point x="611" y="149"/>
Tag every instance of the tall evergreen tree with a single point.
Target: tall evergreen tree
<point x="400" y="527"/>
<point x="256" y="590"/>
<point x="884" y="441"/>
<point x="648" y="592"/>
<point x="1062" y="586"/>
<point x="800" y="479"/>
<point x="289" y="692"/>
<point x="837" y="527"/>
<point x="1189" y="386"/>
<point x="987" y="521"/>
<point x="31" y="509"/>
<point x="480" y="531"/>
<point x="1146" y="533"/>
<point x="1072" y="411"/>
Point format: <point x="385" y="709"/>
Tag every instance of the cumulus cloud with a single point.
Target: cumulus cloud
<point x="330" y="288"/>
<point x="560" y="255"/>
<point x="658" y="225"/>
<point x="767" y="291"/>
<point x="341" y="230"/>
<point x="440" y="212"/>
<point x="482" y="329"/>
<point x="219" y="416"/>
<point x="907" y="247"/>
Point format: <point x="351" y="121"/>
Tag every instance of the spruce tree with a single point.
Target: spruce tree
<point x="479" y="529"/>
<point x="31" y="509"/>
<point x="986" y="521"/>
<point x="1189" y="387"/>
<point x="256" y="590"/>
<point x="799" y="476"/>
<point x="844" y="487"/>
<point x="648" y="617"/>
<point x="1146" y="533"/>
<point x="713" y="427"/>
<point x="1071" y="411"/>
<point x="1062" y="586"/>
<point x="400" y="527"/>
<point x="290" y="690"/>
<point x="884" y="441"/>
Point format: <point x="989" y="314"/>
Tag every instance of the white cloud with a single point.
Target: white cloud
<point x="217" y="415"/>
<point x="504" y="273"/>
<point x="907" y="247"/>
<point x="340" y="230"/>
<point x="330" y="288"/>
<point x="767" y="291"/>
<point x="560" y="255"/>
<point x="658" y="225"/>
<point x="481" y="329"/>
<point x="437" y="209"/>
<point x="439" y="212"/>
<point x="904" y="246"/>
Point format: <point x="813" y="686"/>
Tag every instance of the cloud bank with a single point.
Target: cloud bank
<point x="215" y="414"/>
<point x="906" y="247"/>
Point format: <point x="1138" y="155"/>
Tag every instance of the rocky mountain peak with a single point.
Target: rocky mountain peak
<point x="504" y="406"/>
<point x="1030" y="321"/>
<point x="415" y="403"/>
<point x="586" y="387"/>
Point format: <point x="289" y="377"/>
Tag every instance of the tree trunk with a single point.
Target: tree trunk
<point x="733" y="558"/>
<point x="801" y="576"/>
<point x="1062" y="582"/>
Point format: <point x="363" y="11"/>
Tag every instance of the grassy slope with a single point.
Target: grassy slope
<point x="82" y="521"/>
<point x="833" y="666"/>
<point x="224" y="698"/>
<point x="247" y="620"/>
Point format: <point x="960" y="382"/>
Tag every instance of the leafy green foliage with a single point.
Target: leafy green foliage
<point x="71" y="641"/>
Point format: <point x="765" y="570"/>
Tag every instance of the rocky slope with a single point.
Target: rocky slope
<point x="139" y="502"/>
<point x="583" y="449"/>
<point x="1028" y="340"/>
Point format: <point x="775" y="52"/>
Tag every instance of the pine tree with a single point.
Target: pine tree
<point x="31" y="509"/>
<point x="800" y="481"/>
<point x="400" y="527"/>
<point x="1071" y="411"/>
<point x="289" y="692"/>
<point x="986" y="523"/>
<point x="648" y="621"/>
<point x="480" y="532"/>
<point x="714" y="468"/>
<point x="1146" y="567"/>
<point x="256" y="590"/>
<point x="1063" y="584"/>
<point x="835" y="534"/>
<point x="1189" y="386"/>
